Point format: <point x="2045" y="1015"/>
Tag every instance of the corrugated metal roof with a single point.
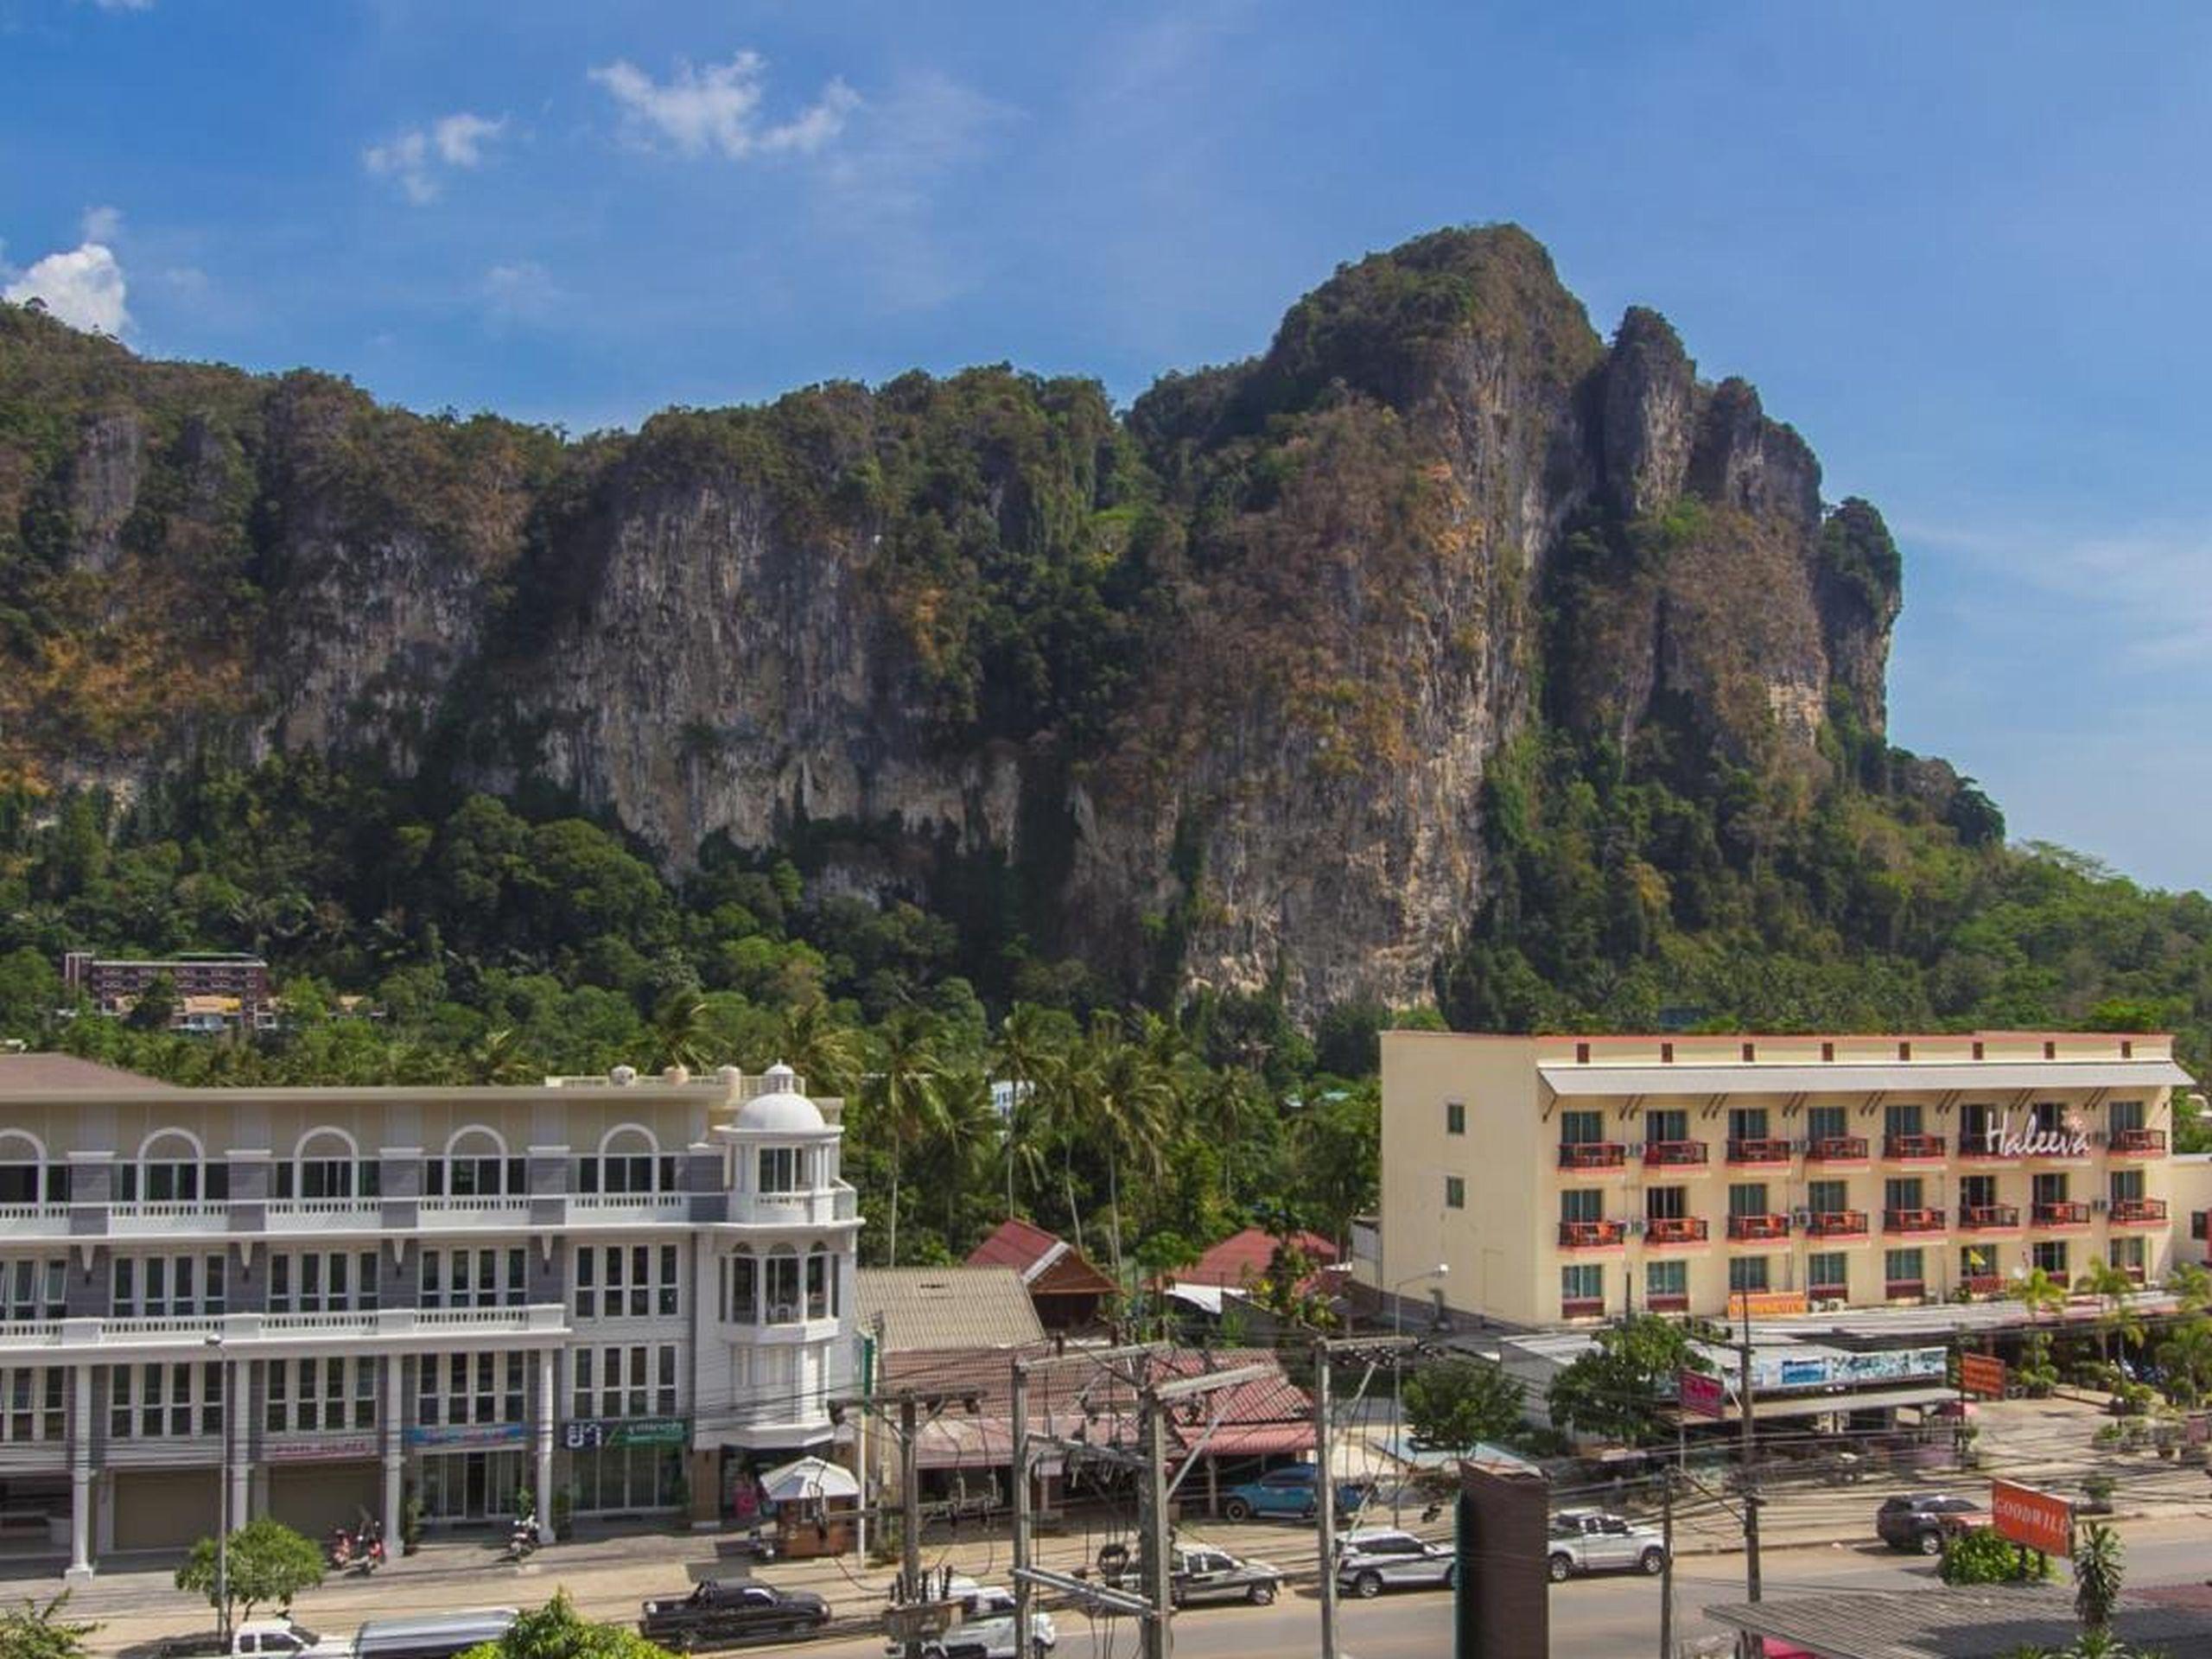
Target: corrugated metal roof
<point x="932" y="1309"/>
<point x="1578" y="1081"/>
<point x="1933" y="1621"/>
<point x="1245" y="1256"/>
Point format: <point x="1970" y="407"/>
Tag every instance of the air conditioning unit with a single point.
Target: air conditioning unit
<point x="1801" y="1219"/>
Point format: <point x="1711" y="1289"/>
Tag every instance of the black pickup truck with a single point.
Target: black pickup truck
<point x="727" y="1614"/>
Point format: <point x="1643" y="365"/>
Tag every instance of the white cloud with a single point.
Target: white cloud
<point x="415" y="155"/>
<point x="124" y="5"/>
<point x="717" y="107"/>
<point x="84" y="287"/>
<point x="101" y="225"/>
<point x="522" y="292"/>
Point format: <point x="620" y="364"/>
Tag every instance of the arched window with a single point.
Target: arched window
<point x="327" y="1163"/>
<point x="821" y="1281"/>
<point x="475" y="1166"/>
<point x="172" y="1168"/>
<point x="782" y="1289"/>
<point x="741" y="1288"/>
<point x="24" y="1177"/>
<point x="629" y="1161"/>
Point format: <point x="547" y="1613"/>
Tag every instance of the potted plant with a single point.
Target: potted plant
<point x="2096" y="1494"/>
<point x="563" y="1506"/>
<point x="410" y="1522"/>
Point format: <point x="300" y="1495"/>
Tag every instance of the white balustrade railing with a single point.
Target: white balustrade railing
<point x="238" y="1331"/>
<point x="170" y="1216"/>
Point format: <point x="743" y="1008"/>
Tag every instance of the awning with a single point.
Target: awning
<point x="1848" y="1078"/>
<point x="1766" y="1406"/>
<point x="809" y="1477"/>
<point x="1936" y="1621"/>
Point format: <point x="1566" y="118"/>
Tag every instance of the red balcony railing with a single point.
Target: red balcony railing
<point x="1668" y="1304"/>
<point x="1675" y="1154"/>
<point x="1837" y="1224"/>
<point x="1591" y="1155"/>
<point x="1675" y="1230"/>
<point x="1591" y="1234"/>
<point x="1912" y="1146"/>
<point x="1837" y="1293"/>
<point x="1913" y="1221"/>
<point x="1897" y="1288"/>
<point x="1769" y="1225"/>
<point x="2137" y="1212"/>
<point x="1983" y="1284"/>
<point x="1981" y="1218"/>
<point x="1766" y="1150"/>
<point x="1581" y="1308"/>
<point x="1979" y="1146"/>
<point x="2128" y="1142"/>
<point x="1838" y="1149"/>
<point x="2062" y="1214"/>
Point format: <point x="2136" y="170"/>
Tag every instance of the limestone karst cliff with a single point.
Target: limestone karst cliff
<point x="1208" y="691"/>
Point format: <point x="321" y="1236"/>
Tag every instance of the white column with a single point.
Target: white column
<point x="238" y="1401"/>
<point x="394" y="1445"/>
<point x="81" y="1478"/>
<point x="545" y="1446"/>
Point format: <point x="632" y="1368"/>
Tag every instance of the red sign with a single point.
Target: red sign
<point x="1982" y="1376"/>
<point x="2028" y="1516"/>
<point x="1701" y="1395"/>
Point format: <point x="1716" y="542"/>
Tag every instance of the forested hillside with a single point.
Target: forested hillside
<point x="1444" y="661"/>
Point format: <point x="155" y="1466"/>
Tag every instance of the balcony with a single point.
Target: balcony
<point x="1675" y="1229"/>
<point x="1913" y="1221"/>
<point x="2136" y="1143"/>
<point x="1983" y="1284"/>
<point x="1766" y="1226"/>
<point x="818" y="1207"/>
<point x="1591" y="1234"/>
<point x="324" y="1215"/>
<point x="495" y="1210"/>
<point x="1897" y="1290"/>
<point x="34" y="1221"/>
<point x="2062" y="1213"/>
<point x="2138" y="1212"/>
<point x="1910" y="1148"/>
<point x="1765" y="1150"/>
<point x="1591" y="1155"/>
<point x="1828" y="1293"/>
<point x="1675" y="1154"/>
<point x="1581" y="1308"/>
<point x="1988" y="1217"/>
<point x="1979" y="1148"/>
<point x="628" y="1208"/>
<point x="1838" y="1149"/>
<point x="1837" y="1224"/>
<point x="169" y="1216"/>
<point x="188" y="1337"/>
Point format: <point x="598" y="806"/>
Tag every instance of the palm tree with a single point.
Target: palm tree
<point x="900" y="1096"/>
<point x="498" y="1058"/>
<point x="680" y="1032"/>
<point x="2113" y="1286"/>
<point x="1026" y="1049"/>
<point x="1131" y="1104"/>
<point x="2191" y="1285"/>
<point x="2185" y="1360"/>
<point x="2039" y="1293"/>
<point x="2097" y="1558"/>
<point x="827" y="1055"/>
<point x="965" y="1124"/>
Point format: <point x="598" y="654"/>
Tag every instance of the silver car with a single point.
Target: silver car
<point x="1378" y="1558"/>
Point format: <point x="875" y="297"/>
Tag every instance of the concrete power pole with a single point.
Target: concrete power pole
<point x="910" y="1505"/>
<point x="1155" y="1563"/>
<point x="1324" y="1499"/>
<point x="1024" y="1592"/>
<point x="1751" y="1480"/>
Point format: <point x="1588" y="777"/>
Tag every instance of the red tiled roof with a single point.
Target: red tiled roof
<point x="1017" y="1244"/>
<point x="1048" y="1265"/>
<point x="1238" y="1261"/>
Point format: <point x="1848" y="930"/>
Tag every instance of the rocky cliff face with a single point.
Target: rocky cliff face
<point x="1215" y="688"/>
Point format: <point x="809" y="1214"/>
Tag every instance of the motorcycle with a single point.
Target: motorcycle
<point x="524" y="1538"/>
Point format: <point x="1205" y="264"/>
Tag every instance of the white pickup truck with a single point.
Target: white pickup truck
<point x="1592" y="1540"/>
<point x="257" y="1638"/>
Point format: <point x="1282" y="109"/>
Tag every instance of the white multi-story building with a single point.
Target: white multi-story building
<point x="634" y="1291"/>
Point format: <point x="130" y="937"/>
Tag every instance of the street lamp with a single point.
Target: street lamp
<point x="222" y="1500"/>
<point x="1442" y="1270"/>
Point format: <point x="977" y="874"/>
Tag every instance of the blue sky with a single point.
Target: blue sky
<point x="1961" y="248"/>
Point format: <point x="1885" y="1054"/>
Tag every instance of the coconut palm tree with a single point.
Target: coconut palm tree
<point x="1028" y="1045"/>
<point x="2191" y="1285"/>
<point x="680" y="1032"/>
<point x="2185" y="1361"/>
<point x="964" y="1126"/>
<point x="2114" y="1288"/>
<point x="2039" y="1293"/>
<point x="1131" y="1104"/>
<point x="899" y="1096"/>
<point x="498" y="1058"/>
<point x="826" y="1054"/>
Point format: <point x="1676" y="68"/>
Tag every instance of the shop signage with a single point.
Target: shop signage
<point x="2070" y="1142"/>
<point x="455" y="1437"/>
<point x="1773" y="1370"/>
<point x="1701" y="1395"/>
<point x="305" y="1449"/>
<point x="586" y="1433"/>
<point x="1767" y="1304"/>
<point x="1982" y="1375"/>
<point x="2028" y="1516"/>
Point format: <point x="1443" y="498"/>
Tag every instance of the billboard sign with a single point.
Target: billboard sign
<point x="2028" y="1516"/>
<point x="1701" y="1395"/>
<point x="1982" y="1376"/>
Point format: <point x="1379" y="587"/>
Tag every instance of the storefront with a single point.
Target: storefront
<point x="164" y="1509"/>
<point x="322" y="1485"/>
<point x="470" y="1474"/>
<point x="627" y="1465"/>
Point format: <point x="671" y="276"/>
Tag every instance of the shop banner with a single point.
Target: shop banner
<point x="1982" y="1376"/>
<point x="1701" y="1395"/>
<point x="457" y="1437"/>
<point x="2028" y="1516"/>
<point x="586" y="1433"/>
<point x="299" y="1449"/>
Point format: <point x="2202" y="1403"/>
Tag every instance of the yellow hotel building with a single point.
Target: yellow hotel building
<point x="1537" y="1180"/>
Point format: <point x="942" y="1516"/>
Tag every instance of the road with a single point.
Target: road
<point x="1591" y="1618"/>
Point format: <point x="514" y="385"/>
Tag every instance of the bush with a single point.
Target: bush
<point x="1982" y="1557"/>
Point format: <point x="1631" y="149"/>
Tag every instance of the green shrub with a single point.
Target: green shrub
<point x="1982" y="1557"/>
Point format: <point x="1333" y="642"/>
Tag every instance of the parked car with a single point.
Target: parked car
<point x="1375" y="1559"/>
<point x="1594" y="1541"/>
<point x="1921" y="1521"/>
<point x="256" y="1637"/>
<point x="1197" y="1575"/>
<point x="1288" y="1492"/>
<point x="992" y="1638"/>
<point x="726" y="1613"/>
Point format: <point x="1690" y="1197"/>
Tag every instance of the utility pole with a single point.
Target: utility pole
<point x="1024" y="1592"/>
<point x="909" y="1506"/>
<point x="1751" y="1481"/>
<point x="1325" y="1498"/>
<point x="1154" y="1565"/>
<point x="1667" y="1573"/>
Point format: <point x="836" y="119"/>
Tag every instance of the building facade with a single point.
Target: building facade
<point x="213" y="991"/>
<point x="1562" y="1178"/>
<point x="632" y="1291"/>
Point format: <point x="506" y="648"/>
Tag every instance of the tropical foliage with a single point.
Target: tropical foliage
<point x="267" y="1564"/>
<point x="1614" y="1389"/>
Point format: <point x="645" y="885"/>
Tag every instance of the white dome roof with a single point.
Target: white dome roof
<point x="782" y="1110"/>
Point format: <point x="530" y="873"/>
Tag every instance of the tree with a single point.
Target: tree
<point x="2098" y="1560"/>
<point x="2190" y="1284"/>
<point x="679" y="1035"/>
<point x="1454" y="1404"/>
<point x="1027" y="1047"/>
<point x="557" y="1631"/>
<point x="34" y="1631"/>
<point x="268" y="1564"/>
<point x="1132" y="1101"/>
<point x="1612" y="1391"/>
<point x="2111" y="1286"/>
<point x="2038" y="1293"/>
<point x="899" y="1097"/>
<point x="154" y="1005"/>
<point x="2185" y="1361"/>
